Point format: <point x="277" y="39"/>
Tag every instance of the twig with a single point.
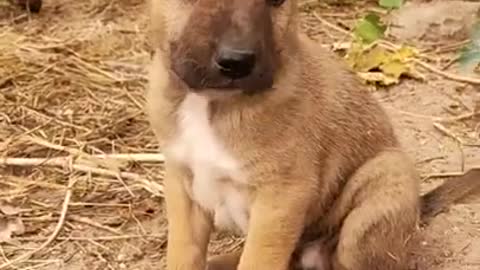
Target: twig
<point x="460" y="117"/>
<point x="72" y="151"/>
<point x="447" y="75"/>
<point x="66" y="162"/>
<point x="100" y="204"/>
<point x="50" y="118"/>
<point x="40" y="264"/>
<point x="4" y="257"/>
<point x="151" y="158"/>
<point x="127" y="188"/>
<point x="76" y="152"/>
<point x="325" y="22"/>
<point x="92" y="223"/>
<point x="58" y="228"/>
<point x="236" y="246"/>
<point x="139" y="224"/>
<point x="450" y="174"/>
<point x="447" y="132"/>
<point x="459" y="141"/>
<point x="442" y="175"/>
<point x="93" y="242"/>
<point x="154" y="158"/>
<point x="450" y="63"/>
<point x="425" y="160"/>
<point x="98" y="238"/>
<point x="114" y="168"/>
<point x="452" y="47"/>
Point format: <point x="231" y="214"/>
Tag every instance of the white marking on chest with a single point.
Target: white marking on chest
<point x="202" y="151"/>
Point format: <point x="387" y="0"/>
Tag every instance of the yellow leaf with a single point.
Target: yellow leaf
<point x="394" y="68"/>
<point x="354" y="53"/>
<point x="404" y="53"/>
<point x="378" y="65"/>
<point x="371" y="59"/>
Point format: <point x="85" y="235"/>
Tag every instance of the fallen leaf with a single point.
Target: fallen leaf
<point x="354" y="53"/>
<point x="379" y="65"/>
<point x="371" y="59"/>
<point x="10" y="227"/>
<point x="394" y="68"/>
<point x="405" y="53"/>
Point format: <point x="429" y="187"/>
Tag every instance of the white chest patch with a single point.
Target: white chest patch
<point x="216" y="174"/>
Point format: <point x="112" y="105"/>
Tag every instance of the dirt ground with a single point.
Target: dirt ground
<point x="72" y="80"/>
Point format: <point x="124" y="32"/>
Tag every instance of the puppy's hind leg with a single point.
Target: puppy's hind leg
<point x="380" y="206"/>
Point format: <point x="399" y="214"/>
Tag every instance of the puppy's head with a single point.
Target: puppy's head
<point x="224" y="45"/>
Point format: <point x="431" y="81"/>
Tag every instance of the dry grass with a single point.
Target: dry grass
<point x="71" y="91"/>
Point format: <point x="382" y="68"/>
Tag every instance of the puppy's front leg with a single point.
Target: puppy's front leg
<point x="189" y="226"/>
<point x="277" y="220"/>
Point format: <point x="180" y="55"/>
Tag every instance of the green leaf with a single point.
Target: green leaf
<point x="469" y="59"/>
<point x="370" y="28"/>
<point x="390" y="3"/>
<point x="470" y="54"/>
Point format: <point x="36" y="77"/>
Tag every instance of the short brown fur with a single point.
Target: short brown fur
<point x="322" y="157"/>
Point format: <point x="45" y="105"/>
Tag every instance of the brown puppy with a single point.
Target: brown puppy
<point x="267" y="134"/>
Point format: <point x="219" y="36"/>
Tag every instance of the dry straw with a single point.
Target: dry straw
<point x="72" y="82"/>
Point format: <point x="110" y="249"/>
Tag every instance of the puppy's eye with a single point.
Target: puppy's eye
<point x="275" y="3"/>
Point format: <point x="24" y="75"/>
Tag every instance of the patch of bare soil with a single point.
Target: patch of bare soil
<point x="72" y="80"/>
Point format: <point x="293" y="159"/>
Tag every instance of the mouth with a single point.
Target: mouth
<point x="218" y="84"/>
<point x="200" y="79"/>
<point x="196" y="85"/>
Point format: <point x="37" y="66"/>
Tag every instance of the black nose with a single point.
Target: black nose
<point x="235" y="64"/>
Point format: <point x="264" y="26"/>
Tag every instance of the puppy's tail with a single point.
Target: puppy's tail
<point x="460" y="189"/>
